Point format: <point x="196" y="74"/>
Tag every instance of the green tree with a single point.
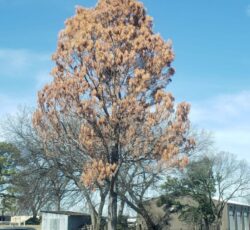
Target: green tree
<point x="7" y="165"/>
<point x="210" y="182"/>
<point x="8" y="153"/>
<point x="196" y="183"/>
<point x="50" y="187"/>
<point x="8" y="204"/>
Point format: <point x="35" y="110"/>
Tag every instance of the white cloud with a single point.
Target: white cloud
<point x="235" y="141"/>
<point x="42" y="78"/>
<point x="9" y="105"/>
<point x="26" y="69"/>
<point x="22" y="74"/>
<point x="227" y="116"/>
<point x="248" y="10"/>
<point x="222" y="109"/>
<point x="16" y="63"/>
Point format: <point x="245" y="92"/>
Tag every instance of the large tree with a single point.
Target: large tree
<point x="110" y="77"/>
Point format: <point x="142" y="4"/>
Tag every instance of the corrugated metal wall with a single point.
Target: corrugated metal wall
<point x="54" y="222"/>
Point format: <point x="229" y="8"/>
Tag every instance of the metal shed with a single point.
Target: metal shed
<point x="64" y="220"/>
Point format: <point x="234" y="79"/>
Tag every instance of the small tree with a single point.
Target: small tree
<point x="7" y="166"/>
<point x="8" y="204"/>
<point x="8" y="153"/>
<point x="209" y="182"/>
<point x="197" y="184"/>
<point x="37" y="180"/>
<point x="7" y="170"/>
<point x="110" y="77"/>
<point x="232" y="180"/>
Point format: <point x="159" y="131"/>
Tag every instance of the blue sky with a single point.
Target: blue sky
<point x="211" y="42"/>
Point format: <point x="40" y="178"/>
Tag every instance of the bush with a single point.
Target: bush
<point x="33" y="221"/>
<point x="122" y="223"/>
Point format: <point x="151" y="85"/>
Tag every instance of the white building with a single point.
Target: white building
<point x="64" y="220"/>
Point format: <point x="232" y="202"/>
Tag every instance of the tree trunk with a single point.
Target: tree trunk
<point x="34" y="213"/>
<point x="218" y="224"/>
<point x="99" y="224"/>
<point x="112" y="203"/>
<point x="58" y="203"/>
<point x="207" y="226"/>
<point x="93" y="213"/>
<point x="120" y="213"/>
<point x="112" y="210"/>
<point x="93" y="217"/>
<point x="140" y="209"/>
<point x="150" y="224"/>
<point x="148" y="220"/>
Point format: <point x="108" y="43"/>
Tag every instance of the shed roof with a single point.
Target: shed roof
<point x="67" y="213"/>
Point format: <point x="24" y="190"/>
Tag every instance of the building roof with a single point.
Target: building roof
<point x="67" y="213"/>
<point x="238" y="203"/>
<point x="242" y="203"/>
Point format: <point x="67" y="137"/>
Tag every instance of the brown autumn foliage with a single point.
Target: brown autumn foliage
<point x="111" y="74"/>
